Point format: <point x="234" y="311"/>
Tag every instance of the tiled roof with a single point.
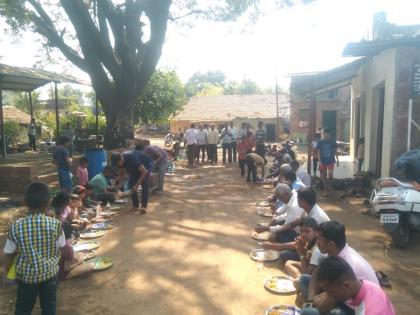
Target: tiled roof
<point x="229" y="107"/>
<point x="11" y="113"/>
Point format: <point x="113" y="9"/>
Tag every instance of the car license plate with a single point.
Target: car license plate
<point x="390" y="218"/>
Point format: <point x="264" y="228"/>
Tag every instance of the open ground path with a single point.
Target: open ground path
<point x="190" y="254"/>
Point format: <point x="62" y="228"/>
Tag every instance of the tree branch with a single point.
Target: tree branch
<point x="158" y="13"/>
<point x="45" y="27"/>
<point x="173" y="19"/>
<point x="89" y="36"/>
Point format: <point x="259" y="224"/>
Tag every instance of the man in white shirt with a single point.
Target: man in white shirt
<point x="226" y="136"/>
<point x="201" y="144"/>
<point x="212" y="140"/>
<point x="293" y="212"/>
<point x="191" y="137"/>
<point x="235" y="135"/>
<point x="301" y="173"/>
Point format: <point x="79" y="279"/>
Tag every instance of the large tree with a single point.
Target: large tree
<point x="118" y="43"/>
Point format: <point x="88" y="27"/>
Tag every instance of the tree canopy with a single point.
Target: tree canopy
<point x="162" y="97"/>
<point x="214" y="83"/>
<point x="118" y="43"/>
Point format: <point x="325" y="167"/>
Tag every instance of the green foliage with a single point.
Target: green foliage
<point x="214" y="83"/>
<point x="200" y="81"/>
<point x="12" y="130"/>
<point x="163" y="96"/>
<point x="248" y="87"/>
<point x="211" y="90"/>
<point x="20" y="100"/>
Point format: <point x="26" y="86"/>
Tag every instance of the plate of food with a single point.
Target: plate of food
<point x="265" y="213"/>
<point x="91" y="234"/>
<point x="107" y="213"/>
<point x="101" y="220"/>
<point x="263" y="236"/>
<point x="283" y="310"/>
<point x="267" y="186"/>
<point x="86" y="254"/>
<point x="264" y="203"/>
<point x="86" y="246"/>
<point x="121" y="201"/>
<point x="280" y="285"/>
<point x="102" y="226"/>
<point x="264" y="222"/>
<point x="264" y="255"/>
<point x="102" y="263"/>
<point x="192" y="177"/>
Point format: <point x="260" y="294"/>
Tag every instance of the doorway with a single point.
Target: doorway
<point x="329" y="120"/>
<point x="380" y="131"/>
<point x="271" y="132"/>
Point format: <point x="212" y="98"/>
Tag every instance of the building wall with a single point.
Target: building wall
<point x="237" y="122"/>
<point x="339" y="103"/>
<point x="406" y="58"/>
<point x="378" y="72"/>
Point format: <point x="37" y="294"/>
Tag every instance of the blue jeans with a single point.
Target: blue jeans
<point x="144" y="191"/>
<point x="336" y="311"/>
<point x="161" y="168"/>
<point x="27" y="294"/>
<point x="64" y="180"/>
<point x="304" y="281"/>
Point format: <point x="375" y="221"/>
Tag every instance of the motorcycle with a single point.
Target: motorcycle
<point x="168" y="140"/>
<point x="398" y="205"/>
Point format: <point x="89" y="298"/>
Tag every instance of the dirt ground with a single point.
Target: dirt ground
<point x="190" y="254"/>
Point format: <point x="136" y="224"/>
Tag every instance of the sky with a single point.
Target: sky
<point x="282" y="42"/>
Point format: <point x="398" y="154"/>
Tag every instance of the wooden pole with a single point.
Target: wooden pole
<point x="31" y="109"/>
<point x="277" y="111"/>
<point x="312" y="127"/>
<point x="410" y="119"/>
<point x="3" y="134"/>
<point x="57" y="115"/>
<point x="97" y="117"/>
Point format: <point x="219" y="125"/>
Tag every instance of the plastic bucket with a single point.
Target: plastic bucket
<point x="97" y="161"/>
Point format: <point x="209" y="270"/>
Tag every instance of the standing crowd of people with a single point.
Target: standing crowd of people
<point x="245" y="146"/>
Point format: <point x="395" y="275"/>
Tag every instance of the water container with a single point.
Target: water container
<point x="97" y="161"/>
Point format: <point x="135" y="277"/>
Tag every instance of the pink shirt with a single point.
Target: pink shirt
<point x="82" y="176"/>
<point x="360" y="266"/>
<point x="371" y="300"/>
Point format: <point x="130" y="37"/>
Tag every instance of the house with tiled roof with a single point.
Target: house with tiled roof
<point x="11" y="113"/>
<point x="237" y="109"/>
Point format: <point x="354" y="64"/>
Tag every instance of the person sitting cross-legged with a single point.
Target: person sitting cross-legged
<point x="331" y="240"/>
<point x="291" y="209"/>
<point x="309" y="254"/>
<point x="99" y="183"/>
<point x="338" y="279"/>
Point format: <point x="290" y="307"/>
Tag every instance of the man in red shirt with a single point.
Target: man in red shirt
<point x="244" y="147"/>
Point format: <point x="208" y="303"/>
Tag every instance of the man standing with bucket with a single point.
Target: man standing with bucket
<point x="137" y="166"/>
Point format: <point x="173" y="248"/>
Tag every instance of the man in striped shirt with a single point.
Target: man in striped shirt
<point x="35" y="241"/>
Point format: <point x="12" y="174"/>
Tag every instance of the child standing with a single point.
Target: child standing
<point x="361" y="153"/>
<point x="36" y="240"/>
<point x="63" y="161"/>
<point x="82" y="177"/>
<point x="244" y="147"/>
<point x="314" y="148"/>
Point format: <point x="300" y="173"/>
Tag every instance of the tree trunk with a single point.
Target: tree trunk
<point x="119" y="126"/>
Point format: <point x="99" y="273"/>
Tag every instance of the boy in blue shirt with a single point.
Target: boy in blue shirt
<point x="328" y="157"/>
<point x="62" y="159"/>
<point x="36" y="241"/>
